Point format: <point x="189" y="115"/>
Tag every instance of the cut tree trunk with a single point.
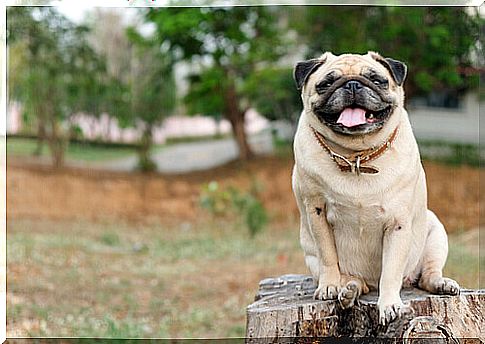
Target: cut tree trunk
<point x="285" y="312"/>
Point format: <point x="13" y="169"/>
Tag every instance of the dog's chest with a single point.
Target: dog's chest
<point x="358" y="229"/>
<point x="359" y="217"/>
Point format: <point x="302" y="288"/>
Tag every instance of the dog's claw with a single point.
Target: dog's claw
<point x="348" y="294"/>
<point x="326" y="292"/>
<point x="447" y="286"/>
<point x="391" y="312"/>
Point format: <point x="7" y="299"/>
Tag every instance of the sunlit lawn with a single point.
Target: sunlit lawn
<point x="120" y="280"/>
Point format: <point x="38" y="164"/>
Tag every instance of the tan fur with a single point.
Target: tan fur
<point x="374" y="230"/>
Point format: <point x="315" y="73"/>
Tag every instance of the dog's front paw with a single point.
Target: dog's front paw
<point x="447" y="286"/>
<point x="389" y="312"/>
<point x="326" y="291"/>
<point x="349" y="294"/>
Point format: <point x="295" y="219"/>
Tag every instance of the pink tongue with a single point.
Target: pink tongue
<point x="352" y="117"/>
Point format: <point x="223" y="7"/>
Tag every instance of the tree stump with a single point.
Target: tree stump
<point x="284" y="311"/>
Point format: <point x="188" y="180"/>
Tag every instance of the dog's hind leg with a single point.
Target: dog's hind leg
<point x="352" y="288"/>
<point x="433" y="260"/>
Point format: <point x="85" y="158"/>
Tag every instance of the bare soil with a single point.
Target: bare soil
<point x="38" y="192"/>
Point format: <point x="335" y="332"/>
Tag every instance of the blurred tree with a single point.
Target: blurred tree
<point x="108" y="37"/>
<point x="435" y="42"/>
<point x="58" y="74"/>
<point x="85" y="76"/>
<point x="116" y="49"/>
<point x="153" y="92"/>
<point x="272" y="91"/>
<point x="228" y="44"/>
<point x="141" y="88"/>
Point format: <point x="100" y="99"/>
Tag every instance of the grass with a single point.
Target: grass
<point x="188" y="139"/>
<point x="83" y="279"/>
<point x="450" y="153"/>
<point x="465" y="260"/>
<point x="117" y="280"/>
<point x="431" y="150"/>
<point x="76" y="151"/>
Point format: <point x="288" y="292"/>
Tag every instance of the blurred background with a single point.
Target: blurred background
<point x="149" y="155"/>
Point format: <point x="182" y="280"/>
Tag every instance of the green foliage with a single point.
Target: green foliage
<point x="233" y="202"/>
<point x="152" y="82"/>
<point x="205" y="93"/>
<point x="435" y="42"/>
<point x="61" y="74"/>
<point x="233" y="41"/>
<point x="56" y="72"/>
<point x="273" y="94"/>
<point x="234" y="36"/>
<point x="225" y="45"/>
<point x="150" y="93"/>
<point x="58" y="65"/>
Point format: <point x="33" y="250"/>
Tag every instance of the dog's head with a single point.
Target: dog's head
<point x="351" y="94"/>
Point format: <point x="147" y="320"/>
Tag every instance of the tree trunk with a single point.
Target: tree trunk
<point x="57" y="147"/>
<point x="285" y="312"/>
<point x="145" y="162"/>
<point x="40" y="139"/>
<point x="236" y="118"/>
<point x="238" y="130"/>
<point x="57" y="143"/>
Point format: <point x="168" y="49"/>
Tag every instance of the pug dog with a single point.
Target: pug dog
<point x="360" y="186"/>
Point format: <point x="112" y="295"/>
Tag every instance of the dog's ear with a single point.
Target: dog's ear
<point x="304" y="69"/>
<point x="397" y="68"/>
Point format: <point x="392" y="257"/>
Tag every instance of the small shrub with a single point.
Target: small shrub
<point x="244" y="205"/>
<point x="146" y="165"/>
<point x="110" y="239"/>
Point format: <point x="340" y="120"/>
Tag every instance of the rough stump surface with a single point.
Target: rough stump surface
<point x="284" y="311"/>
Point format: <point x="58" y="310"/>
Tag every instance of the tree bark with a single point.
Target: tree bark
<point x="145" y="162"/>
<point x="236" y="117"/>
<point x="40" y="139"/>
<point x="285" y="312"/>
<point x="57" y="143"/>
<point x="239" y="132"/>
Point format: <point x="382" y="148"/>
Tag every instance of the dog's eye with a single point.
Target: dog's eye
<point x="379" y="82"/>
<point x="323" y="85"/>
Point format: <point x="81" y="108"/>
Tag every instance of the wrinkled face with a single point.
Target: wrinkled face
<point x="352" y="94"/>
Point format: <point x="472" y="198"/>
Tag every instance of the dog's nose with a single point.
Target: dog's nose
<point x="353" y="86"/>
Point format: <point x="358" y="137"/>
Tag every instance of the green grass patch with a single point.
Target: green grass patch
<point x="75" y="151"/>
<point x="110" y="239"/>
<point x="464" y="262"/>
<point x="91" y="279"/>
<point x="188" y="139"/>
<point x="450" y="153"/>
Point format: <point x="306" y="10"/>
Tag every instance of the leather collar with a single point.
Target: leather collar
<point x="354" y="163"/>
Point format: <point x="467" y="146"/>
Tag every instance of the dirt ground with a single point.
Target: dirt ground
<point x="121" y="255"/>
<point x="36" y="192"/>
